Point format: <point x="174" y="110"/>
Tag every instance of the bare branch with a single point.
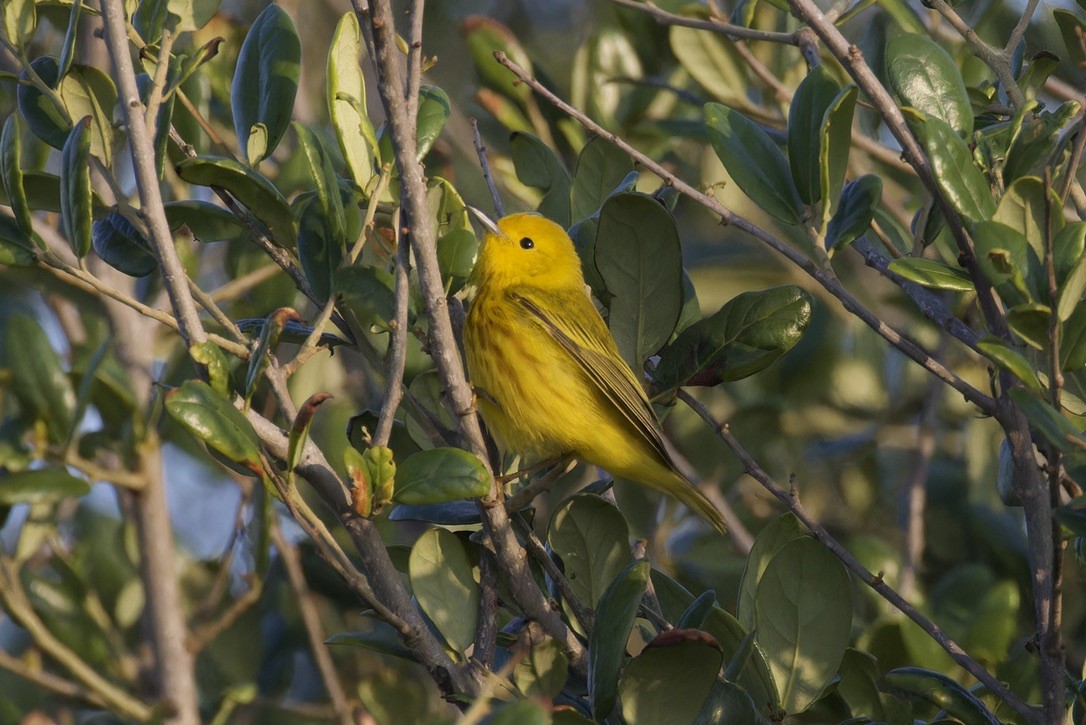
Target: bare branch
<point x="397" y="347"/>
<point x="480" y="150"/>
<point x="735" y="32"/>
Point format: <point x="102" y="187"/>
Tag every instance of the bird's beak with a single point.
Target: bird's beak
<point x="486" y="221"/>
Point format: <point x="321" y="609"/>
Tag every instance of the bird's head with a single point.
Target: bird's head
<point x="526" y="249"/>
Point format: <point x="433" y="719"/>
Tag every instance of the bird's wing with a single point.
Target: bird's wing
<point x="573" y="322"/>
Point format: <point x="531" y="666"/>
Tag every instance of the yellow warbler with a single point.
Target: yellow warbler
<point x="547" y="373"/>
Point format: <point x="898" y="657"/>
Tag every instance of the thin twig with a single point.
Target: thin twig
<point x="916" y="489"/>
<point x="486" y="627"/>
<point x="48" y="681"/>
<point x="202" y="636"/>
<point x="791" y="500"/>
<point x="1021" y="27"/>
<point x="997" y="59"/>
<point x="480" y="150"/>
<point x="397" y="346"/>
<point x="158" y="86"/>
<point x="581" y="611"/>
<point x="729" y="30"/>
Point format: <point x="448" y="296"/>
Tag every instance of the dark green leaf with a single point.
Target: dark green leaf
<point x="439" y="475"/>
<point x="1030" y="322"/>
<point x="122" y="246"/>
<point x="834" y="141"/>
<point x="929" y="273"/>
<point x="1022" y="208"/>
<point x="591" y="538"/>
<point x="925" y="77"/>
<point x="537" y="165"/>
<point x="727" y="704"/>
<point x="753" y="161"/>
<point x="607" y="644"/>
<point x="521" y="712"/>
<point x="368" y="292"/>
<point x="12" y="174"/>
<point x="813" y="98"/>
<point x="670" y="679"/>
<point x="961" y="182"/>
<point x="770" y="540"/>
<point x="859" y="674"/>
<point x="15" y="248"/>
<point x="1010" y="360"/>
<point x="859" y="199"/>
<point x="380" y="637"/>
<point x="163" y="120"/>
<point x="698" y="611"/>
<point x="803" y="583"/>
<point x="319" y="252"/>
<point x="1041" y="66"/>
<point x="638" y="256"/>
<point x="746" y="335"/>
<point x="38" y="381"/>
<point x="1067" y="249"/>
<point x="444" y="586"/>
<point x="1044" y="419"/>
<point x="68" y="51"/>
<point x="1073" y="29"/>
<point x="75" y="189"/>
<point x="41" y="486"/>
<point x="150" y="19"/>
<point x="43" y="194"/>
<point x="207" y="222"/>
<point x="48" y="122"/>
<point x="211" y="418"/>
<point x="347" y="101"/>
<point x="601" y="167"/>
<point x="1073" y="341"/>
<point x="938" y="690"/>
<point x="250" y="188"/>
<point x="434" y="111"/>
<point x="1007" y="260"/>
<point x="265" y="83"/>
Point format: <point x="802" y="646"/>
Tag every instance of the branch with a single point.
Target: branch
<point x="996" y="59"/>
<point x="49" y="681"/>
<point x="728" y="30"/>
<point x="823" y="276"/>
<point x="791" y="501"/>
<point x="397" y="346"/>
<point x="480" y="150"/>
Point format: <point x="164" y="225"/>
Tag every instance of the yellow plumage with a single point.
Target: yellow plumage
<point x="549" y="377"/>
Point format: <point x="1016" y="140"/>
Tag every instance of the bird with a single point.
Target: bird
<point x="548" y="376"/>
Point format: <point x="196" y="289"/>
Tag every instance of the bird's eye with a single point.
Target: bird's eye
<point x="526" y="243"/>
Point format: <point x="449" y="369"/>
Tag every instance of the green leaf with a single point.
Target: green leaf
<point x="88" y="91"/>
<point x="813" y="98"/>
<point x="1073" y="29"/>
<point x="695" y="615"/>
<point x="803" y="583"/>
<point x="483" y="36"/>
<point x="607" y="644"/>
<point x="521" y="712"/>
<point x="939" y="690"/>
<point x="19" y="21"/>
<point x="214" y="361"/>
<point x="744" y="336"/>
<point x="859" y="200"/>
<point x="206" y="221"/>
<point x="1071" y="292"/>
<point x="538" y="166"/>
<point x="48" y="122"/>
<point x="1010" y="360"/>
<point x="1043" y="418"/>
<point x="1041" y="66"/>
<point x="11" y="173"/>
<point x="75" y="189"/>
<point x="753" y="161"/>
<point x="319" y="253"/>
<point x="15" y="248"/>
<point x="250" y="188"/>
<point x="1030" y="322"/>
<point x="260" y="358"/>
<point x="670" y="679"/>
<point x="347" y="101"/>
<point x="439" y="475"/>
<point x="958" y="178"/>
<point x="211" y="418"/>
<point x="381" y="637"/>
<point x="1067" y="249"/>
<point x="601" y="167"/>
<point x="43" y="194"/>
<point x="835" y="138"/>
<point x="122" y="246"/>
<point x="638" y="256"/>
<point x="727" y="704"/>
<point x="713" y="62"/>
<point x="925" y="77"/>
<point x="543" y="671"/>
<point x="37" y="379"/>
<point x="770" y="540"/>
<point x="591" y="537"/>
<point x="858" y="685"/>
<point x="163" y="119"/>
<point x="1073" y="341"/>
<point x="265" y="83"/>
<point x="150" y="19"/>
<point x="299" y="429"/>
<point x="443" y="583"/>
<point x="70" y="34"/>
<point x="1022" y="208"/>
<point x="434" y="111"/>
<point x="606" y="55"/>
<point x="368" y="292"/>
<point x="456" y="241"/>
<point x="1007" y="261"/>
<point x="48" y="485"/>
<point x="323" y="176"/>
<point x="1038" y="136"/>
<point x="929" y="273"/>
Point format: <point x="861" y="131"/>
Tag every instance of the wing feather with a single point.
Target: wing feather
<point x="586" y="338"/>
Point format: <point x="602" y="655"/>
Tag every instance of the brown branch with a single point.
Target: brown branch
<point x="486" y="627"/>
<point x="397" y="346"/>
<point x="790" y="499"/>
<point x="48" y="681"/>
<point x="729" y="30"/>
<point x="916" y="489"/>
<point x="480" y="151"/>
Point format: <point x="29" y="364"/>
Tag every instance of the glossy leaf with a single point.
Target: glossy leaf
<point x="1044" y="419"/>
<point x="88" y="91"/>
<point x="960" y="181"/>
<point x="368" y="292"/>
<point x="213" y="359"/>
<point x="834" y="140"/>
<point x="601" y="167"/>
<point x="16" y="249"/>
<point x="443" y="583"/>
<point x="48" y="485"/>
<point x="347" y="101"/>
<point x="1030" y="322"/>
<point x="727" y="704"/>
<point x="671" y="678"/>
<point x="434" y="111"/>
<point x="638" y="256"/>
<point x="538" y="166"/>
<point x="695" y="615"/>
<point x="43" y="194"/>
<point x="1007" y="260"/>
<point x="75" y="189"/>
<point x="591" y="537"/>
<point x="753" y="161"/>
<point x="925" y="77"/>
<point x="859" y="200"/>
<point x="250" y="188"/>
<point x="38" y="381"/>
<point x="607" y="644"/>
<point x="1022" y="208"/>
<point x="122" y="246"/>
<point x="207" y="222"/>
<point x="932" y="274"/>
<point x="11" y="173"/>
<point x="211" y="418"/>
<point x="439" y="475"/>
<point x="1010" y="360"/>
<point x="813" y="98"/>
<point x="744" y="336"/>
<point x="939" y="690"/>
<point x="163" y="119"/>
<point x="265" y="83"/>
<point x="803" y="583"/>
<point x="49" y="123"/>
<point x="70" y="34"/>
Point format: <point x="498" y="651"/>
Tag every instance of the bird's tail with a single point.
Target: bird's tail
<point x="687" y="493"/>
